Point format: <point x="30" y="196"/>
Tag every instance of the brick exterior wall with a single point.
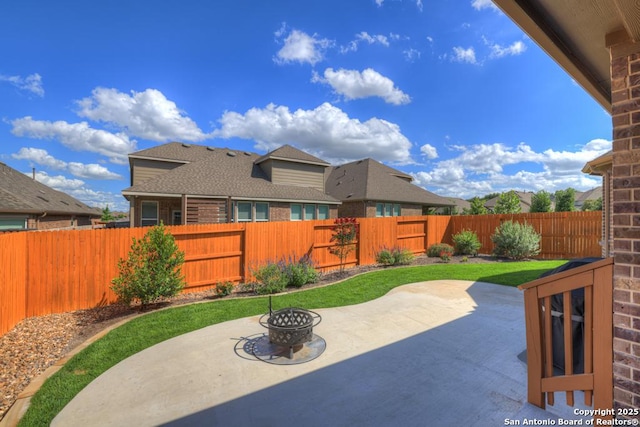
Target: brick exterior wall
<point x="56" y="222"/>
<point x="625" y="221"/>
<point x="360" y="209"/>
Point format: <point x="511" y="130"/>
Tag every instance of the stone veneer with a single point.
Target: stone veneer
<point x="625" y="86"/>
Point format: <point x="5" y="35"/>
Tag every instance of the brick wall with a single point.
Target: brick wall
<point x="625" y="83"/>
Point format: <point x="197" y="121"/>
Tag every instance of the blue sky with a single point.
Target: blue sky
<point x="450" y="91"/>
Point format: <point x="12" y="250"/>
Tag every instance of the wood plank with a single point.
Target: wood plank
<point x="535" y="395"/>
<point x="548" y="345"/>
<point x="603" y="335"/>
<point x="568" y="382"/>
<point x="568" y="341"/>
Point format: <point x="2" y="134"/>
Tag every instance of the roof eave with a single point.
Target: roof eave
<point x="532" y="22"/>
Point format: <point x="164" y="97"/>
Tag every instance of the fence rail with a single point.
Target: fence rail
<point x="595" y="281"/>
<point x="58" y="271"/>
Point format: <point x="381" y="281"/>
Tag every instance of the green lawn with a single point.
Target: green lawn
<point x="150" y="329"/>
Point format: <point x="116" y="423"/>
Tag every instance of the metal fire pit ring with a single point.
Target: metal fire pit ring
<point x="290" y="327"/>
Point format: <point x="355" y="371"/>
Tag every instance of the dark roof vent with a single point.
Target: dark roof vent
<point x="210" y="148"/>
<point x="62" y="201"/>
<point x="247" y="153"/>
<point x="40" y="197"/>
<point x="186" y="145"/>
<point x="231" y="154"/>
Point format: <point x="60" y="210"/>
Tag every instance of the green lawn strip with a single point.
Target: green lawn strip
<point x="146" y="331"/>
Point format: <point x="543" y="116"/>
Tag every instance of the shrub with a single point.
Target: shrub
<point x="445" y="256"/>
<point x="435" y="249"/>
<point x="224" y="289"/>
<point x="152" y="269"/>
<point x="300" y="273"/>
<point x="394" y="256"/>
<point x="516" y="241"/>
<point x="466" y="243"/>
<point x="271" y="278"/>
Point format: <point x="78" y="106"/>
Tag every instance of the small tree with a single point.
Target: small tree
<point x="106" y="215"/>
<point x="508" y="203"/>
<point x="477" y="207"/>
<point x="152" y="269"/>
<point x="565" y="200"/>
<point x="592" y="205"/>
<point x="344" y="232"/>
<point x="540" y="202"/>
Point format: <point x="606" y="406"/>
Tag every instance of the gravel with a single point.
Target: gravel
<point x="38" y="342"/>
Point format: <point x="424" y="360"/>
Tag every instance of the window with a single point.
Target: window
<point x="309" y="212"/>
<point x="396" y="210"/>
<point x="323" y="212"/>
<point x="296" y="212"/>
<point x="244" y="211"/>
<point x="379" y="209"/>
<point x="13" y="223"/>
<point x="176" y="218"/>
<point x="262" y="211"/>
<point x="388" y="209"/>
<point x="149" y="214"/>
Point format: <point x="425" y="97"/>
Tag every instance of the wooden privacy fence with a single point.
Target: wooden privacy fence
<point x="595" y="282"/>
<point x="59" y="271"/>
<point x="564" y="234"/>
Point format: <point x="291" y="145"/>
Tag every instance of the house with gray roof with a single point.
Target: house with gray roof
<point x="180" y="183"/>
<point x="26" y="204"/>
<point x="189" y="184"/>
<point x="367" y="188"/>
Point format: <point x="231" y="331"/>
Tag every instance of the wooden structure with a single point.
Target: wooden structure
<point x="54" y="272"/>
<point x="596" y="280"/>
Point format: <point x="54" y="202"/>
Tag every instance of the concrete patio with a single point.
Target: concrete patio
<point x="439" y="353"/>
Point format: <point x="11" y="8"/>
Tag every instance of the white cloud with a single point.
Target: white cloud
<point x="78" y="189"/>
<point x="353" y="84"/>
<point x="365" y="37"/>
<point x="429" y="151"/>
<point x="326" y="131"/>
<point x="379" y="2"/>
<point x="483" y="4"/>
<point x="411" y="54"/>
<point x="148" y="115"/>
<point x="301" y="47"/>
<point x="82" y="170"/>
<point x="419" y="4"/>
<point x="91" y="171"/>
<point x="464" y="55"/>
<point x="77" y="136"/>
<point x="32" y="83"/>
<point x="40" y="157"/>
<point x="515" y="48"/>
<point x="480" y="169"/>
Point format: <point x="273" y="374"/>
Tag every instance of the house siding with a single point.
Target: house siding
<point x="165" y="208"/>
<point x="143" y="169"/>
<point x="625" y="222"/>
<point x="293" y="173"/>
<point x="56" y="222"/>
<point x="367" y="209"/>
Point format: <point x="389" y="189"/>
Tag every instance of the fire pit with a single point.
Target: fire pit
<point x="290" y="327"/>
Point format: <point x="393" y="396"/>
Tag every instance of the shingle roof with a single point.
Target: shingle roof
<point x="177" y="151"/>
<point x="290" y="153"/>
<point x="524" y="196"/>
<point x="224" y="172"/>
<point x="370" y="180"/>
<point x="22" y="194"/>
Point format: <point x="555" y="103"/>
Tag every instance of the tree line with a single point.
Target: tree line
<point x="509" y="203"/>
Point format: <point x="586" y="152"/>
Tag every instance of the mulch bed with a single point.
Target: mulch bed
<point x="38" y="342"/>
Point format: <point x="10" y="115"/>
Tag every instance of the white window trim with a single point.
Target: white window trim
<point x="291" y="212"/>
<point x="251" y="212"/>
<point x="328" y="211"/>
<point x="255" y="208"/>
<point x="304" y="212"/>
<point x="157" y="217"/>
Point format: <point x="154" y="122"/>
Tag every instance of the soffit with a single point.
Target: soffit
<point x="574" y="32"/>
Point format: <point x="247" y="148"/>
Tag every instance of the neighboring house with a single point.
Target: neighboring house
<point x="26" y="204"/>
<point x="458" y="208"/>
<point x="598" y="44"/>
<point x="525" y="201"/>
<point x="582" y="196"/>
<point x="368" y="188"/>
<point x="189" y="184"/>
<point x="603" y="166"/>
